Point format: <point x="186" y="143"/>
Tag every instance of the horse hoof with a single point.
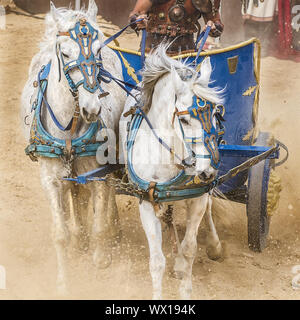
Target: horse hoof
<point x="185" y="294"/>
<point x="215" y="252"/>
<point x="62" y="290"/>
<point x="157" y="296"/>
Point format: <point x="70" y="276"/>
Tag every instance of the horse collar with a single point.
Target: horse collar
<point x="43" y="144"/>
<point x="180" y="187"/>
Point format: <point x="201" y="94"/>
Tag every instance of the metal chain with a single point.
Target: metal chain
<point x="126" y="187"/>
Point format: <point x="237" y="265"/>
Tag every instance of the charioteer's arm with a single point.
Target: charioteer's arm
<point x="140" y="12"/>
<point x="213" y="19"/>
<point x="141" y="7"/>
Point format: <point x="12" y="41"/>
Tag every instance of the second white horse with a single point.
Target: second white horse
<point x="169" y="88"/>
<point x="72" y="44"/>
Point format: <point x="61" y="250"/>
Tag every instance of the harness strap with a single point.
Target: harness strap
<point x="57" y="123"/>
<point x="204" y="35"/>
<point x="131" y="112"/>
<point x="151" y="191"/>
<point x="64" y="34"/>
<point x="181" y="113"/>
<point x="143" y="46"/>
<point x="74" y="125"/>
<point x="106" y="76"/>
<point x="116" y="35"/>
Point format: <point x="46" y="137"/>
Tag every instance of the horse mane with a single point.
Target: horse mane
<point x="158" y="64"/>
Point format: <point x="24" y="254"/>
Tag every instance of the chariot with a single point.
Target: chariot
<point x="248" y="157"/>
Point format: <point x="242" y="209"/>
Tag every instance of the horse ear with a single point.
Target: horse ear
<point x="205" y="71"/>
<point x="92" y="10"/>
<point x="54" y="12"/>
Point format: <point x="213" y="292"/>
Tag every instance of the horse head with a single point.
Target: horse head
<point x="78" y="52"/>
<point x="194" y="109"/>
<point x="197" y="120"/>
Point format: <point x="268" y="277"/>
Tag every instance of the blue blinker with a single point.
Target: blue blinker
<point x="203" y="111"/>
<point x="84" y="35"/>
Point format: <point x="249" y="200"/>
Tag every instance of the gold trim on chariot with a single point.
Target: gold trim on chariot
<point x="194" y="54"/>
<point x="256" y="59"/>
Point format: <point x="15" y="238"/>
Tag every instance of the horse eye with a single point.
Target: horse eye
<point x="183" y="120"/>
<point x="65" y="55"/>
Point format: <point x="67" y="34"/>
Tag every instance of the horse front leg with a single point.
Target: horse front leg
<point x="152" y="227"/>
<point x="80" y="196"/>
<point x="61" y="237"/>
<point x="113" y="216"/>
<point x="214" y="248"/>
<point x="185" y="259"/>
<point x="101" y="229"/>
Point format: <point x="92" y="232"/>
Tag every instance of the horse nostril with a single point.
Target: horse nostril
<point x="90" y="117"/>
<point x="85" y="113"/>
<point x="99" y="111"/>
<point x="203" y="175"/>
<point x="206" y="176"/>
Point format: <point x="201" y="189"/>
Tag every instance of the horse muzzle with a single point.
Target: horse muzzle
<point x="90" y="117"/>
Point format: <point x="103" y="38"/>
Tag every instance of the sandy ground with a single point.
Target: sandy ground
<point x="26" y="249"/>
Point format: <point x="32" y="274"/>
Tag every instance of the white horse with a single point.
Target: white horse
<point x="59" y="47"/>
<point x="169" y="87"/>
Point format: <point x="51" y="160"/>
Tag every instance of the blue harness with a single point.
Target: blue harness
<point x="202" y="110"/>
<point x="42" y="144"/>
<point x="182" y="186"/>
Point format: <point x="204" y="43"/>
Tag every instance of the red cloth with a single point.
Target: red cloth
<point x="285" y="34"/>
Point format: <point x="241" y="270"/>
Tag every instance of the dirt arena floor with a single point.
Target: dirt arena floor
<point x="26" y="249"/>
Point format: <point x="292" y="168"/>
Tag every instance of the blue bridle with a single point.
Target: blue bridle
<point x="175" y="189"/>
<point x="42" y="143"/>
<point x="204" y="111"/>
<point x="88" y="64"/>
